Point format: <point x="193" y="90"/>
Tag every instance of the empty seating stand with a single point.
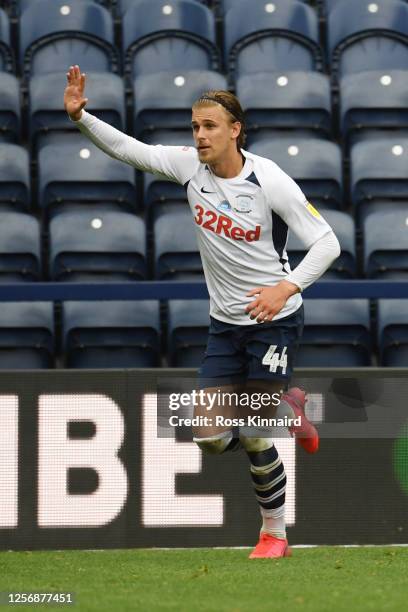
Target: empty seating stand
<point x="188" y="323"/>
<point x="163" y="100"/>
<point x="48" y="118"/>
<point x="93" y="175"/>
<point x="72" y="30"/>
<point x="26" y="335"/>
<point x="286" y="101"/>
<point x="313" y="163"/>
<point x="262" y="36"/>
<point x="392" y="329"/>
<point x="345" y="266"/>
<point x="385" y="243"/>
<point x="336" y="334"/>
<point x="89" y="245"/>
<point x="172" y="35"/>
<point x="376" y="38"/>
<point x="111" y="334"/>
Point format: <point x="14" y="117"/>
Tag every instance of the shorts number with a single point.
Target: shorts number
<point x="274" y="360"/>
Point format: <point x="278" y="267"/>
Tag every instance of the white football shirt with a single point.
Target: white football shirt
<point x="241" y="223"/>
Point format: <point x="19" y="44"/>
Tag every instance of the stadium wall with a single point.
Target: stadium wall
<point x="88" y="460"/>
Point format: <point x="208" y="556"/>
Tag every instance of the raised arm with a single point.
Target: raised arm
<point x="175" y="163"/>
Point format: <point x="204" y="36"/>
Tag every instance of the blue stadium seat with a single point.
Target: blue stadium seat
<point x="26" y="335"/>
<point x="291" y="101"/>
<point x="105" y="91"/>
<point x="328" y="5"/>
<point x="262" y="36"/>
<point x="336" y="334"/>
<point x="111" y="334"/>
<point x="372" y="103"/>
<point x="10" y="113"/>
<point x="83" y="173"/>
<point x="124" y="5"/>
<point x="21" y="5"/>
<point x="176" y="254"/>
<point x="386" y="244"/>
<point x="7" y="62"/>
<point x="87" y="245"/>
<point x="392" y="328"/>
<point x="164" y="99"/>
<point x="226" y="5"/>
<point x="378" y="170"/>
<point x="79" y="31"/>
<point x="343" y="226"/>
<point x="20" y="253"/>
<point x="188" y="323"/>
<point x="157" y="189"/>
<point x="171" y="36"/>
<point x="376" y="38"/>
<point x="313" y="163"/>
<point x="15" y="188"/>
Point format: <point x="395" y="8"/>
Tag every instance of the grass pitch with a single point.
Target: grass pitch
<point x="194" y="580"/>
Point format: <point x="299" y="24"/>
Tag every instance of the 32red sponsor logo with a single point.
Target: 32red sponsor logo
<point x="220" y="224"/>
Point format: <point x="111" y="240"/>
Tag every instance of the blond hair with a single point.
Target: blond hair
<point x="231" y="105"/>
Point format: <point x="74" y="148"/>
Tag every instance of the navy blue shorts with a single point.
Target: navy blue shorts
<point x="237" y="353"/>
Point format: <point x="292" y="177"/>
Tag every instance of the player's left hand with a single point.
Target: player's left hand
<point x="270" y="300"/>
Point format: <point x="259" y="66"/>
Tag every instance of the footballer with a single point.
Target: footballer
<point x="243" y="207"/>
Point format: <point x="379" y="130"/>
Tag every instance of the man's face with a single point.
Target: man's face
<point x="214" y="134"/>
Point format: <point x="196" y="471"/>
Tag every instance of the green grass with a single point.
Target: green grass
<point x="323" y="579"/>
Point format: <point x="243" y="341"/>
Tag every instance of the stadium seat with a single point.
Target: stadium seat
<point x="93" y="175"/>
<point x="373" y="103"/>
<point x="188" y="323"/>
<point x="392" y="328"/>
<point x="7" y="62"/>
<point x="106" y="94"/>
<point x="262" y="36"/>
<point x="378" y="170"/>
<point x="376" y="38"/>
<point x="226" y="5"/>
<point x="10" y="113"/>
<point x="156" y="188"/>
<point x="344" y="266"/>
<point x="171" y="36"/>
<point x="290" y="101"/>
<point x="176" y="254"/>
<point x="26" y="335"/>
<point x="21" y="5"/>
<point x="328" y="5"/>
<point x="336" y="334"/>
<point x="15" y="191"/>
<point x="385" y="238"/>
<point x="71" y="33"/>
<point x="111" y="334"/>
<point x="313" y="163"/>
<point x="20" y="252"/>
<point x="124" y="5"/>
<point x="89" y="246"/>
<point x="163" y="100"/>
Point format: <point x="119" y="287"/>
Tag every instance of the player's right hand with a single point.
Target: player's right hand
<point x="74" y="100"/>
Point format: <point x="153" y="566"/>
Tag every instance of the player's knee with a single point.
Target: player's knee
<point x="253" y="444"/>
<point x="214" y="445"/>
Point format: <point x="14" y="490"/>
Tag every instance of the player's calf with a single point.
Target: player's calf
<point x="218" y="443"/>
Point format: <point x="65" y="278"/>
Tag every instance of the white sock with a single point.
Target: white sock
<point x="273" y="522"/>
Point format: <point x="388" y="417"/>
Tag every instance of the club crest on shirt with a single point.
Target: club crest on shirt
<point x="243" y="203"/>
<point x="224" y="205"/>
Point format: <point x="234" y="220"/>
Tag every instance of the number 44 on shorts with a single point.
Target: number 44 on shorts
<point x="274" y="360"/>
